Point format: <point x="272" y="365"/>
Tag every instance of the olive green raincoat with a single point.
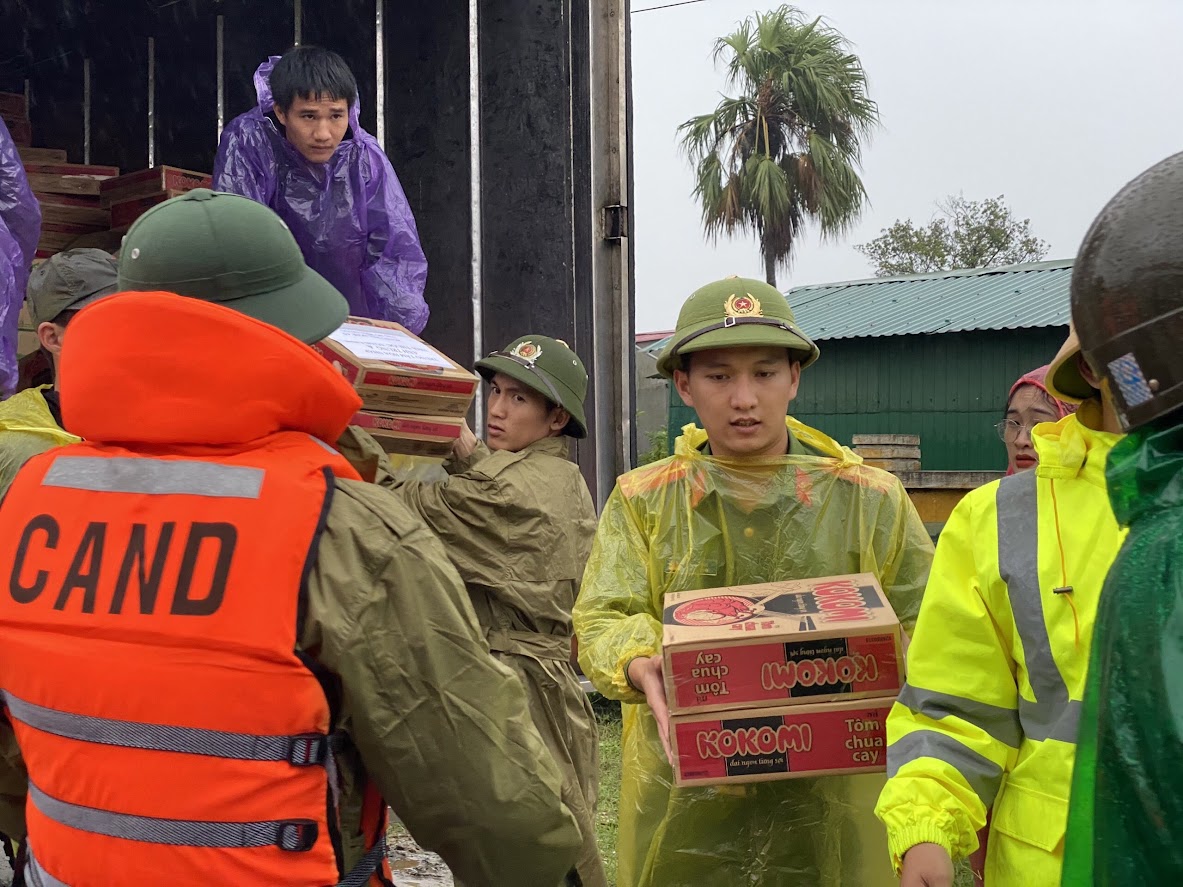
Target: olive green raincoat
<point x="460" y="761"/>
<point x="695" y="521"/>
<point x="518" y="527"/>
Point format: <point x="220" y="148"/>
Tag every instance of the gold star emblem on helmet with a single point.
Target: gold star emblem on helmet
<point x="527" y="351"/>
<point x="745" y="305"/>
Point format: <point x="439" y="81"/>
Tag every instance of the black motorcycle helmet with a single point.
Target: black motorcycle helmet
<point x="1127" y="295"/>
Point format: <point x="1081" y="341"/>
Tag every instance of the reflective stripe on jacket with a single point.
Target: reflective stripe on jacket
<point x="170" y="724"/>
<point x="996" y="669"/>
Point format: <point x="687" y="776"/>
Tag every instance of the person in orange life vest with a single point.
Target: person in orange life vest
<point x="244" y="651"/>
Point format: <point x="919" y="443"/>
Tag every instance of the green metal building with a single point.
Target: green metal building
<point x="931" y="354"/>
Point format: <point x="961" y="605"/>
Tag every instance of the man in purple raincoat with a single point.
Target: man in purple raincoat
<point x="20" y="229"/>
<point x="302" y="152"/>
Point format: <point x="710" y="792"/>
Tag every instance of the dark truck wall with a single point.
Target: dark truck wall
<point x="540" y="240"/>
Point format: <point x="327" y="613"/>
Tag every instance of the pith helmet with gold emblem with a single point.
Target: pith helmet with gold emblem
<point x="551" y="368"/>
<point x="738" y="312"/>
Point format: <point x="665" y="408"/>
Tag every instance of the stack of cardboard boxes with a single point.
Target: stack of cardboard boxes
<point x="130" y="196"/>
<point x="68" y="192"/>
<point x="414" y="397"/>
<point x="780" y="680"/>
<point x="85" y="199"/>
<point x="69" y="198"/>
<point x="14" y="110"/>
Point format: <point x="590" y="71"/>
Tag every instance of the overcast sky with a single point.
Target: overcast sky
<point x="1054" y="103"/>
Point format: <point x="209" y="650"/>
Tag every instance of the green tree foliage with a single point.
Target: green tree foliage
<point x="786" y="147"/>
<point x="965" y="234"/>
<point x="659" y="447"/>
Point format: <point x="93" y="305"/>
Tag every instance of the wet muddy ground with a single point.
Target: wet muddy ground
<point x="413" y="866"/>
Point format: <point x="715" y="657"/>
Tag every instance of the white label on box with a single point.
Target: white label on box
<point x="392" y="346"/>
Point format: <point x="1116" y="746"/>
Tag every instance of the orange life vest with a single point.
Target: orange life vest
<point x="172" y="730"/>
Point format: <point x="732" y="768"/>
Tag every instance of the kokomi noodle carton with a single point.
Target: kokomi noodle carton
<point x="395" y="371"/>
<point x="778" y="643"/>
<point x="792" y="741"/>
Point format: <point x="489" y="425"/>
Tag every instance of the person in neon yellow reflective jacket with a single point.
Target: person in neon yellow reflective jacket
<point x="987" y="720"/>
<point x="752" y="498"/>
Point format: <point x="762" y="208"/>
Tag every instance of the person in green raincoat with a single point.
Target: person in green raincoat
<point x="1125" y="820"/>
<point x="517" y="521"/>
<point x="754" y="496"/>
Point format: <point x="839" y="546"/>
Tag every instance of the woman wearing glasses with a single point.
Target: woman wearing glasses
<point x="1028" y="404"/>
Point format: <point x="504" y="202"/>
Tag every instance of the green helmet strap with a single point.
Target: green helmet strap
<point x="729" y="322"/>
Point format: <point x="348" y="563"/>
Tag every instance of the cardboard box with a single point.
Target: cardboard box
<point x="804" y="640"/>
<point x="411" y="435"/>
<point x="73" y="209"/>
<point x="13" y="104"/>
<point x="395" y="371"/>
<point x="71" y="169"/>
<point x="761" y="745"/>
<point x="48" y="183"/>
<point x="127" y="211"/>
<point x="54" y="242"/>
<point x="73" y="228"/>
<point x="147" y="182"/>
<point x="42" y="155"/>
<point x="26" y="333"/>
<point x="21" y="131"/>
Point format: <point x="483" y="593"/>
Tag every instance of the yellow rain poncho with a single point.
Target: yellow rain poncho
<point x="27" y="427"/>
<point x="694" y="521"/>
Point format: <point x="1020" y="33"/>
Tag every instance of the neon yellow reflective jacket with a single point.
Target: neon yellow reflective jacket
<point x="694" y="521"/>
<point x="996" y="668"/>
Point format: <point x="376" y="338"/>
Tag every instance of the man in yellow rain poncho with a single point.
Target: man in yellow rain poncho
<point x="754" y="497"/>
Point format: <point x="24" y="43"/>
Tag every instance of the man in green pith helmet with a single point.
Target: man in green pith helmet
<point x="517" y="521"/>
<point x="754" y="496"/>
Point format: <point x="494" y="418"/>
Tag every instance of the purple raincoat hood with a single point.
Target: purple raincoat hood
<point x="349" y="215"/>
<point x="20" y="229"/>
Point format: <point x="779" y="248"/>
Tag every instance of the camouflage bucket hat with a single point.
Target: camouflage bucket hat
<point x="548" y="366"/>
<point x="738" y="312"/>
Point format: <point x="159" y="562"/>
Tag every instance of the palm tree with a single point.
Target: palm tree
<point x="787" y="147"/>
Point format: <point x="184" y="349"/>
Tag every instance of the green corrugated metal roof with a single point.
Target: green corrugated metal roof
<point x="1014" y="297"/>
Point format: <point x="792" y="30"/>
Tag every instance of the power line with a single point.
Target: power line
<point x="666" y="6"/>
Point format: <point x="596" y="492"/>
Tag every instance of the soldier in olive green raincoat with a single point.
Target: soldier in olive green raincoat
<point x="516" y="518"/>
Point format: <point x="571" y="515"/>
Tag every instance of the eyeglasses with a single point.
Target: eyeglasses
<point x="1008" y="430"/>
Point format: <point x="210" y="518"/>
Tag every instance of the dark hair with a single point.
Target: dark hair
<point x="65" y="317"/>
<point x="308" y="72"/>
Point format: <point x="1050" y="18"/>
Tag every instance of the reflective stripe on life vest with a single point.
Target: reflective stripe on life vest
<point x="295" y="835"/>
<point x="1052" y="715"/>
<point x="300" y="751"/>
<point x="156" y="477"/>
<point x="36" y="876"/>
